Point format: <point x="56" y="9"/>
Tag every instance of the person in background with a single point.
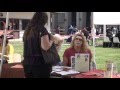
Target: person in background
<point x="57" y="31"/>
<point x="78" y="45"/>
<point x="58" y="40"/>
<point x="110" y="35"/>
<point x="10" y="26"/>
<point x="118" y="35"/>
<point x="70" y="30"/>
<point x="7" y="49"/>
<point x="85" y="32"/>
<point x="74" y="30"/>
<point x="35" y="38"/>
<point x="69" y="39"/>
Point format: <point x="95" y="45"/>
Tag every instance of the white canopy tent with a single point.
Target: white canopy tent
<point x="103" y="18"/>
<point x="4" y="41"/>
<point x="106" y="18"/>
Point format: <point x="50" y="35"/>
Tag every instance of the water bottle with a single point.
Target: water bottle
<point x="92" y="66"/>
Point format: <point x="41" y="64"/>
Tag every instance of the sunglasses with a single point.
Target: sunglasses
<point x="78" y="39"/>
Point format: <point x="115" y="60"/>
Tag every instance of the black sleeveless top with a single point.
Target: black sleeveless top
<point x="32" y="48"/>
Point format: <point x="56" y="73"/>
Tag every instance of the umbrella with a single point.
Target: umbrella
<point x="4" y="42"/>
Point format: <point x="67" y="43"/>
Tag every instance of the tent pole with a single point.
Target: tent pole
<point x="94" y="45"/>
<point x="94" y="34"/>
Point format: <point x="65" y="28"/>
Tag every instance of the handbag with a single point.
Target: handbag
<point x="51" y="56"/>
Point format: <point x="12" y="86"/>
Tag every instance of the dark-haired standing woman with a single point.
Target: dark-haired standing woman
<point x="36" y="37"/>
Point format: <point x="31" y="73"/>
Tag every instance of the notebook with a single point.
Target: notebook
<point x="73" y="62"/>
<point x="82" y="62"/>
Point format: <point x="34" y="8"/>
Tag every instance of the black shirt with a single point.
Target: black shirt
<point x="32" y="48"/>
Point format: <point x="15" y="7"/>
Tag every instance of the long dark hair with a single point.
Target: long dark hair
<point x="36" y="23"/>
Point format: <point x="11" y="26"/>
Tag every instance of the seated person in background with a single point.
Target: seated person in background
<point x="118" y="35"/>
<point x="5" y="56"/>
<point x="69" y="39"/>
<point x="57" y="31"/>
<point x="8" y="50"/>
<point x="58" y="40"/>
<point x="78" y="45"/>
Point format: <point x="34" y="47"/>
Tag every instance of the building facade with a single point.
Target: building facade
<point x="19" y="20"/>
<point x="65" y="19"/>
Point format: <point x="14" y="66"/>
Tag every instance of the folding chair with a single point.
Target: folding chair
<point x="106" y="42"/>
<point x="116" y="41"/>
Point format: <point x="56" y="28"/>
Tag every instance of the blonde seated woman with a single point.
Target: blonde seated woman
<point x="9" y="50"/>
<point x="78" y="45"/>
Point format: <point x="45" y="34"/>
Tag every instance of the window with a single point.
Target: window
<point x="25" y="23"/>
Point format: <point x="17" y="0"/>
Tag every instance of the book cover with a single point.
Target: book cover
<point x="73" y="62"/>
<point x="82" y="62"/>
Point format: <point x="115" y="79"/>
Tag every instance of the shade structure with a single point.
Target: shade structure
<point x="107" y="18"/>
<point x="104" y="18"/>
